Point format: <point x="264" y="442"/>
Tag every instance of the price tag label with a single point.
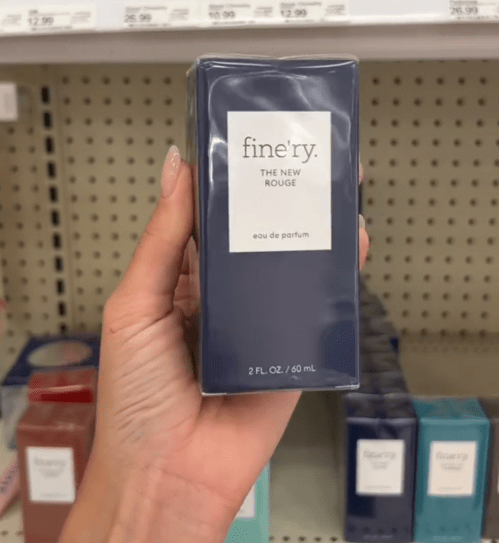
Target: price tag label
<point x="159" y="15"/>
<point x="183" y="13"/>
<point x="300" y="12"/>
<point x="474" y="10"/>
<point x="264" y="12"/>
<point x="336" y="10"/>
<point x="13" y="21"/>
<point x="228" y="13"/>
<point x="61" y="18"/>
<point x="146" y="16"/>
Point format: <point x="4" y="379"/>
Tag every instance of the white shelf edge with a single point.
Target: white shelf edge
<point x="367" y="42"/>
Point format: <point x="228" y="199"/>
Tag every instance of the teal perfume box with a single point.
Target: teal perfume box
<point x="252" y="523"/>
<point x="451" y="473"/>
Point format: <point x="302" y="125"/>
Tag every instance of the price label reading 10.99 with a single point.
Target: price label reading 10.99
<point x="229" y="13"/>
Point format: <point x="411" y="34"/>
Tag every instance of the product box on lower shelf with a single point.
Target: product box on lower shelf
<point x="43" y="353"/>
<point x="380" y="457"/>
<point x="372" y="362"/>
<point x="491" y="513"/>
<point x="53" y="447"/>
<point x="75" y="385"/>
<point x="252" y="523"/>
<point x="451" y="474"/>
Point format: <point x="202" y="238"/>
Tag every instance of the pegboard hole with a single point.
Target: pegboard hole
<point x="49" y="145"/>
<point x="47" y="119"/>
<point x="54" y="194"/>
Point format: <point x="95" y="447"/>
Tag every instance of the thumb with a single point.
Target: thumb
<point x="156" y="264"/>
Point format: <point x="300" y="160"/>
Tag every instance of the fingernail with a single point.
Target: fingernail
<point x="171" y="168"/>
<point x="362" y="222"/>
<point x="361" y="173"/>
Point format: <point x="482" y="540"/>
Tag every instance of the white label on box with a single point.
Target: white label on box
<point x="248" y="508"/>
<point x="279" y="181"/>
<point x="336" y="10"/>
<point x="474" y="10"/>
<point x="62" y="18"/>
<point x="301" y="12"/>
<point x="380" y="467"/>
<point x="228" y="13"/>
<point x="13" y="21"/>
<point x="452" y="469"/>
<point x="9" y="110"/>
<point x="51" y="474"/>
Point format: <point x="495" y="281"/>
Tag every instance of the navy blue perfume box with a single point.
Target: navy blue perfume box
<point x="274" y="144"/>
<point x="380" y="457"/>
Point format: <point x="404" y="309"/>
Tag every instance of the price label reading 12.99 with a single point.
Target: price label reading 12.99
<point x="61" y="18"/>
<point x="297" y="12"/>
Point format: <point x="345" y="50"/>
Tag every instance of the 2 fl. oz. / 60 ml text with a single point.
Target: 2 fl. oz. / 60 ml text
<point x="277" y="370"/>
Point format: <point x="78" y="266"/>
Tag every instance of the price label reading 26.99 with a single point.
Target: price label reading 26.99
<point x="474" y="10"/>
<point x="146" y="16"/>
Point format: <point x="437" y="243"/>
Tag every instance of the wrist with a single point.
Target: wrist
<point x="152" y="504"/>
<point x="158" y="505"/>
<point x="91" y="517"/>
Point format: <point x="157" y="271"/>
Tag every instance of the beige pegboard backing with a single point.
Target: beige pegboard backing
<point x="430" y="148"/>
<point x="32" y="215"/>
<point x="117" y="124"/>
<point x="451" y="366"/>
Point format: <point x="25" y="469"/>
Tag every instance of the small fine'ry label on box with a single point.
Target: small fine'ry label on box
<point x="380" y="467"/>
<point x="51" y="474"/>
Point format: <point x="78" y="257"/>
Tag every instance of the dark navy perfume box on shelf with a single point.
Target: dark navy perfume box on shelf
<point x="380" y="460"/>
<point x="274" y="144"/>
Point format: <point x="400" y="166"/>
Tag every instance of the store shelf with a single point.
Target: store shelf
<point x="306" y="495"/>
<point x="371" y="30"/>
<point x="303" y="500"/>
<point x="367" y="42"/>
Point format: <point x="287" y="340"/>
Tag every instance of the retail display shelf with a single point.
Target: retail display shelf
<point x="305" y="490"/>
<point x="375" y="38"/>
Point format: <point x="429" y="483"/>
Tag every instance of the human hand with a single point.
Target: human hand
<point x="168" y="465"/>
